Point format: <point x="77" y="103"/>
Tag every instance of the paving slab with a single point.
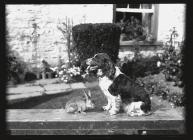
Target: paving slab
<point x="21" y="92"/>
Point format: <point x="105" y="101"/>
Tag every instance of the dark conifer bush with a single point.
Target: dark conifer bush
<point x="89" y="39"/>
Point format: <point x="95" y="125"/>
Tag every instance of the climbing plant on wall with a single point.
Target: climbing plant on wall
<point x="66" y="28"/>
<point x="34" y="39"/>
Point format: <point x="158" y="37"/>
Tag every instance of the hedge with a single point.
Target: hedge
<point x="89" y="39"/>
<point x="141" y="67"/>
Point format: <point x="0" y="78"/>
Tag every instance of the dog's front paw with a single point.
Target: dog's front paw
<point x="113" y="112"/>
<point x="106" y="107"/>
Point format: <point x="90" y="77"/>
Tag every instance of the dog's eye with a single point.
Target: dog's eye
<point x="105" y="60"/>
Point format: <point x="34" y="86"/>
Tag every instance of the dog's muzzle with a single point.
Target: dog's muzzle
<point x="92" y="66"/>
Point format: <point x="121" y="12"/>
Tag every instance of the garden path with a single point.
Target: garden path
<point x="48" y="86"/>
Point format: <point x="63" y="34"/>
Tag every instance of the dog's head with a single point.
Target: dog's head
<point x="101" y="64"/>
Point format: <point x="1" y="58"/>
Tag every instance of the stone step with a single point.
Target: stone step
<point x="57" y="121"/>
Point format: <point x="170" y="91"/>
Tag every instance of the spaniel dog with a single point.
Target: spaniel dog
<point x="120" y="90"/>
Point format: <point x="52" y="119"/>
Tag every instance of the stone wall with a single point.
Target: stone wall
<point x="33" y="33"/>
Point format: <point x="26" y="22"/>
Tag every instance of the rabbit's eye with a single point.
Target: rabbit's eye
<point x="93" y="102"/>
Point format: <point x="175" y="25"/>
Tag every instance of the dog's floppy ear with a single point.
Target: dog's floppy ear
<point x="113" y="88"/>
<point x="109" y="69"/>
<point x="83" y="66"/>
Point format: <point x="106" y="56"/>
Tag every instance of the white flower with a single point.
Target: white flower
<point x="158" y="64"/>
<point x="84" y="75"/>
<point x="179" y="61"/>
<point x="61" y="72"/>
<point x="54" y="69"/>
<point x="63" y="66"/>
<point x="78" y="72"/>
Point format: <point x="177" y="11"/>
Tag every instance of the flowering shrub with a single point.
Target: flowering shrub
<point x="69" y="74"/>
<point x="133" y="29"/>
<point x="177" y="99"/>
<point x="172" y="59"/>
<point x="173" y="66"/>
<point x="156" y="85"/>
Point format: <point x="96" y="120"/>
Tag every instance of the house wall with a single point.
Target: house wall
<point x="171" y="15"/>
<point x="51" y="44"/>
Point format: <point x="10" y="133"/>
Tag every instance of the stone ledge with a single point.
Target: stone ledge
<point x="91" y="132"/>
<point x="141" y="43"/>
<point x="22" y="121"/>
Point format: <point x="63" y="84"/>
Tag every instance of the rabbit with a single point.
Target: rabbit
<point x="81" y="105"/>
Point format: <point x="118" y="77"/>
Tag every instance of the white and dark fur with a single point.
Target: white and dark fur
<point x="120" y="90"/>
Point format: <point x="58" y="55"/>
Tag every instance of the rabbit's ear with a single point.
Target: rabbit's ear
<point x="89" y="94"/>
<point x="85" y="94"/>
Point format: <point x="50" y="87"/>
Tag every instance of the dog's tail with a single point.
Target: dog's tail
<point x="148" y="113"/>
<point x="134" y="109"/>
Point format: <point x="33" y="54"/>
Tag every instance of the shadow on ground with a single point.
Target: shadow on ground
<point x="57" y="101"/>
<point x="33" y="102"/>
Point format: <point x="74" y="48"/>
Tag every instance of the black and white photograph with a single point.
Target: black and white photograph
<point x="95" y="69"/>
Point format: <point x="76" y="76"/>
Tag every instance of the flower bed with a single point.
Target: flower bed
<point x="159" y="86"/>
<point x="69" y="74"/>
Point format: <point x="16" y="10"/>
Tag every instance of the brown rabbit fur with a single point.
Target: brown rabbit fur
<point x="80" y="105"/>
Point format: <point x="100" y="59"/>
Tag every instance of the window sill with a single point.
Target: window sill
<point x="141" y="43"/>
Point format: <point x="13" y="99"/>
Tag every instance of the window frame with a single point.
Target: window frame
<point x="154" y="10"/>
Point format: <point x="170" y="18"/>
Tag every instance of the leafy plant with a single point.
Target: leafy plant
<point x="66" y="29"/>
<point x="172" y="60"/>
<point x="155" y="87"/>
<point x="16" y="67"/>
<point x="139" y="66"/>
<point x="133" y="29"/>
<point x="68" y="72"/>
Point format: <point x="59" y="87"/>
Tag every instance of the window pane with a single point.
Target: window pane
<point x="121" y="5"/>
<point x="146" y="6"/>
<point x="134" y="5"/>
<point x="127" y="16"/>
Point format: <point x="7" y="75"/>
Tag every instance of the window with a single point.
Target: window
<point x="146" y="15"/>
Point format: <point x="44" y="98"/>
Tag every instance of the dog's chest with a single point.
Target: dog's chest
<point x="104" y="83"/>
